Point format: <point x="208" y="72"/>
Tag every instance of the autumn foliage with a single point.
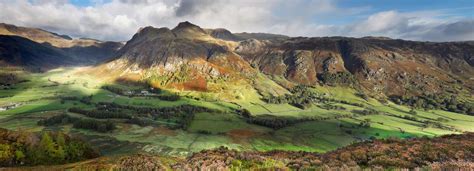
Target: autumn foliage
<point x="389" y="153"/>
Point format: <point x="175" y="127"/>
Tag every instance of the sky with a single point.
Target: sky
<point x="118" y="20"/>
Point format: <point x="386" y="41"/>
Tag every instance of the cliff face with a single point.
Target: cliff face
<point x="185" y="57"/>
<point x="392" y="67"/>
<point x="378" y="66"/>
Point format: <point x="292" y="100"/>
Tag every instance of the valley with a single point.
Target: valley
<point x="315" y="129"/>
<point x="170" y="95"/>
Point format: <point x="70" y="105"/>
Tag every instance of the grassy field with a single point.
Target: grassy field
<point x="39" y="98"/>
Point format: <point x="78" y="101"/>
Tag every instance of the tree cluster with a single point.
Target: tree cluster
<point x="172" y="97"/>
<point x="281" y="122"/>
<point x="338" y="78"/>
<point x="91" y="124"/>
<point x="101" y="114"/>
<point x="365" y="123"/>
<point x="86" y="100"/>
<point x="182" y="114"/>
<point x="331" y="107"/>
<point x="115" y="90"/>
<point x="447" y="103"/>
<point x="302" y="97"/>
<point x="367" y="111"/>
<point x="152" y="92"/>
<point x="27" y="149"/>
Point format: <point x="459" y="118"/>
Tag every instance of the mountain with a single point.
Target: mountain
<point x="19" y="51"/>
<point x="185" y="57"/>
<point x="39" y="35"/>
<point x="379" y="66"/>
<point x="88" y="50"/>
<point x="224" y="34"/>
<point x="189" y="57"/>
<point x="42" y="36"/>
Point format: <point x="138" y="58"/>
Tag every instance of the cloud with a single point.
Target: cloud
<point x="382" y="22"/>
<point x="460" y="30"/>
<point x="188" y="7"/>
<point x="120" y="19"/>
<point x="423" y="25"/>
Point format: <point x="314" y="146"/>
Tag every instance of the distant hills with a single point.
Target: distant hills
<point x="37" y="48"/>
<point x="224" y="34"/>
<point x="20" y="51"/>
<point x="189" y="57"/>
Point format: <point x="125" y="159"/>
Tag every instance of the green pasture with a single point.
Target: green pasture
<point x="39" y="98"/>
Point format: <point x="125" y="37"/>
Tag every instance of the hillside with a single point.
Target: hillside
<point x="183" y="58"/>
<point x="87" y="51"/>
<point x="43" y="36"/>
<point x="191" y="58"/>
<point x="379" y="66"/>
<point x="446" y="152"/>
<point x="19" y="51"/>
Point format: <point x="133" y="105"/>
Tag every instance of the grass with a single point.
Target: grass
<point x="221" y="123"/>
<point x="39" y="98"/>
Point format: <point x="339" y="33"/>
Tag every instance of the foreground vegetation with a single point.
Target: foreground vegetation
<point x="449" y="152"/>
<point x="387" y="153"/>
<point x="18" y="148"/>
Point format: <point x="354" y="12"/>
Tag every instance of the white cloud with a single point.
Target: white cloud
<point x="120" y="19"/>
<point x="423" y="25"/>
<point x="381" y="22"/>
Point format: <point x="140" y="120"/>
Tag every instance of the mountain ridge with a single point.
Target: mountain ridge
<point x="378" y="66"/>
<point x="77" y="51"/>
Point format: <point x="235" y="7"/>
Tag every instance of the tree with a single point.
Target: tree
<point x="46" y="148"/>
<point x="412" y="111"/>
<point x="6" y="154"/>
<point x="60" y="140"/>
<point x="60" y="153"/>
<point x="246" y="113"/>
<point x="19" y="156"/>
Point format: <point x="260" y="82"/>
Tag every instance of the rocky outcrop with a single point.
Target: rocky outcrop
<point x="382" y="66"/>
<point x="223" y="34"/>
<point x="184" y="57"/>
<point x="189" y="55"/>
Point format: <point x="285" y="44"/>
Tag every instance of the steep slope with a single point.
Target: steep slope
<point x="37" y="35"/>
<point x="90" y="50"/>
<point x="189" y="57"/>
<point x="380" y="66"/>
<point x="185" y="57"/>
<point x="223" y="34"/>
<point x="19" y="51"/>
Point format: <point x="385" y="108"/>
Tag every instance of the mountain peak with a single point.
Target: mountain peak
<point x="150" y="29"/>
<point x="223" y="34"/>
<point x="186" y="24"/>
<point x="188" y="29"/>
